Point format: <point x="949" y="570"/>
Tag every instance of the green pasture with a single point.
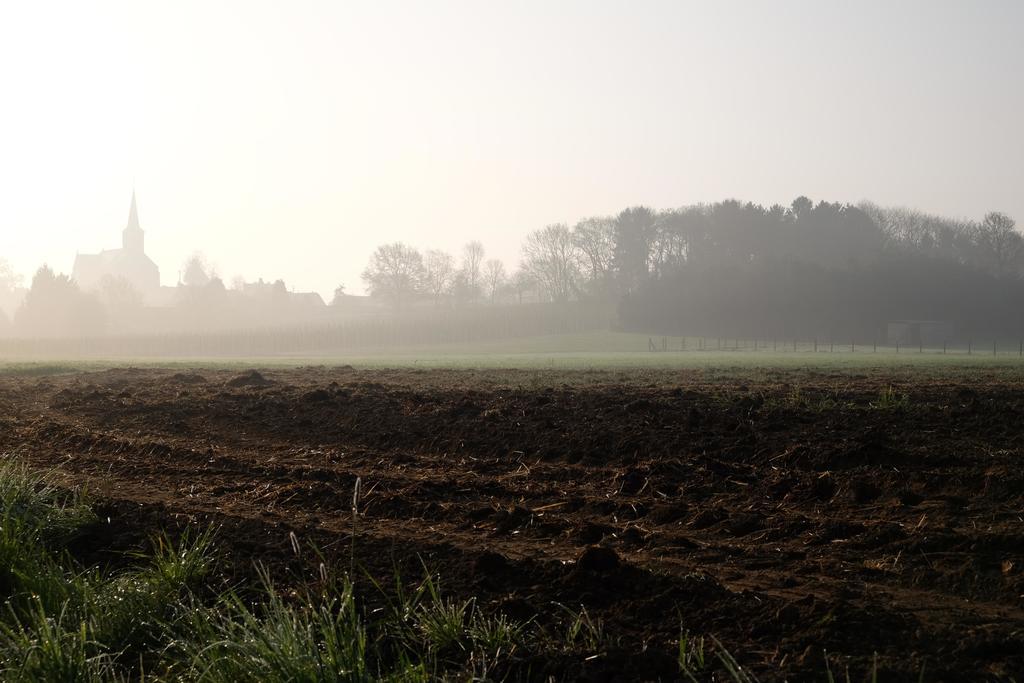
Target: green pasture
<point x="597" y="351"/>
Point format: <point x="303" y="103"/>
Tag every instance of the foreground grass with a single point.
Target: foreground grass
<point x="158" y="619"/>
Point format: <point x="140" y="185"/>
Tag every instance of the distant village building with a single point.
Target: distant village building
<point x="242" y="306"/>
<point x="278" y="292"/>
<point x="129" y="262"/>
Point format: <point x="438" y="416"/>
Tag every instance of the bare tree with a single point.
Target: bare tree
<point x="594" y="238"/>
<point x="439" y="272"/>
<point x="999" y="236"/>
<point x="395" y="273"/>
<point x="494" y="277"/>
<point x="521" y="282"/>
<point x="472" y="261"/>
<point x="550" y="256"/>
<point x="673" y="234"/>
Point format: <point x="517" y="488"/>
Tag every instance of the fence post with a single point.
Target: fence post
<point x="815" y="344"/>
<point x="969" y="347"/>
<point x="993" y="347"/>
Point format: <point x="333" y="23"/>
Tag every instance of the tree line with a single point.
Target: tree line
<point x="735" y="267"/>
<point x="725" y="268"/>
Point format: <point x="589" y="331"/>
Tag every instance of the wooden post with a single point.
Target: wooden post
<point x="993" y="347"/>
<point x="815" y="344"/>
<point x="968" y="347"/>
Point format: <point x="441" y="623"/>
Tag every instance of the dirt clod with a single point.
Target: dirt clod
<point x="252" y="378"/>
<point x="598" y="560"/>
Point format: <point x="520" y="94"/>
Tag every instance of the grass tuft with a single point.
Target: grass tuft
<point x="890" y="399"/>
<point x="309" y="641"/>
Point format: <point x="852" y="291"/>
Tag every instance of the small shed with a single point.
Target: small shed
<point x="933" y="333"/>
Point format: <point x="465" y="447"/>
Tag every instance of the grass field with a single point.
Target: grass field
<point x="593" y="351"/>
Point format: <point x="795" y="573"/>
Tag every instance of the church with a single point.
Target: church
<point x="129" y="262"/>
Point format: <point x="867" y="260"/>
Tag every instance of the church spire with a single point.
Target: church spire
<point x="133" y="215"/>
<point x="132" y="239"/>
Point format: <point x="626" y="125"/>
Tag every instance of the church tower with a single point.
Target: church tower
<point x="128" y="263"/>
<point x="133" y="239"/>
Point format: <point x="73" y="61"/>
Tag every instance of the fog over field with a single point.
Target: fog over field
<point x="462" y="171"/>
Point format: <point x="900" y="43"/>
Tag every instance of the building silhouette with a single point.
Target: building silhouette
<point x="129" y="263"/>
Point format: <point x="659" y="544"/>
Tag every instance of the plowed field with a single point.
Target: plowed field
<point x="787" y="515"/>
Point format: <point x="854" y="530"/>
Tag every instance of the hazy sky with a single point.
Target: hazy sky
<point x="288" y="139"/>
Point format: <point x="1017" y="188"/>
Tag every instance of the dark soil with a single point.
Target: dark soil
<point x="783" y="523"/>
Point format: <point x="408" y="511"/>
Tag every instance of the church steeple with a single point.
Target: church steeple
<point x="133" y="238"/>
